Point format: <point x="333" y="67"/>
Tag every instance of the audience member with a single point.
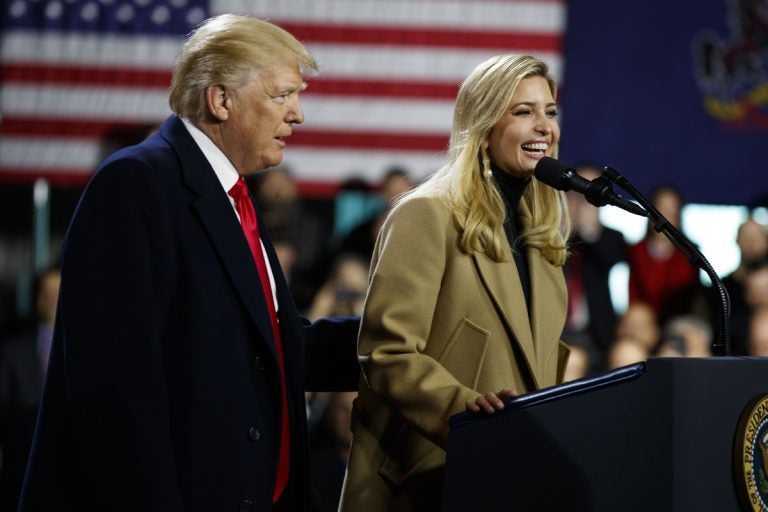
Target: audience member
<point x="286" y="251"/>
<point x="686" y="336"/>
<point x="277" y="198"/>
<point x="673" y="346"/>
<point x="595" y="249"/>
<point x="344" y="292"/>
<point x="756" y="285"/>
<point x="755" y="293"/>
<point x="361" y="239"/>
<point x="578" y="365"/>
<point x="758" y="333"/>
<point x="752" y="239"/>
<point x="354" y="202"/>
<point x="23" y="365"/>
<point x="659" y="274"/>
<point x="626" y="351"/>
<point x="639" y="324"/>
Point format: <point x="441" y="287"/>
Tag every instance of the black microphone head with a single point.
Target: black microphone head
<point x="554" y="173"/>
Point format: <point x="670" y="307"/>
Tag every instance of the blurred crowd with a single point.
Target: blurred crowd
<point x="669" y="314"/>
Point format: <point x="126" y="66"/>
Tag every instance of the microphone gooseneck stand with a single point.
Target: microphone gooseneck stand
<point x="722" y="346"/>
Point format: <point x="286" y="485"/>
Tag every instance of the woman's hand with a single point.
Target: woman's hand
<point x="490" y="402"/>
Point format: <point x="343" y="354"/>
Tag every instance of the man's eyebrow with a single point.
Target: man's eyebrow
<point x="291" y="87"/>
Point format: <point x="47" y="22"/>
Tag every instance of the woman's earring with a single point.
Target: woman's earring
<point x="487" y="166"/>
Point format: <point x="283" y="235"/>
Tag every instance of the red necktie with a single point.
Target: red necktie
<point x="244" y="206"/>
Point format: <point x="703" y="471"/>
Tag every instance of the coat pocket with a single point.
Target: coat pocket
<point x="464" y="354"/>
<point x="410" y="453"/>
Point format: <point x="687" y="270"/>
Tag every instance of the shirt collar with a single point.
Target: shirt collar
<point x="222" y="166"/>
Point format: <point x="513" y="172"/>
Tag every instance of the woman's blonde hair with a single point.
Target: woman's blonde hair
<point x="230" y="50"/>
<point x="476" y="204"/>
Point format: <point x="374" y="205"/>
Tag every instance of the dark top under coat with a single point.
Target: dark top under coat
<point x="511" y="189"/>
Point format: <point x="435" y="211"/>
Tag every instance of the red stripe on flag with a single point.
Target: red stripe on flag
<point x="424" y="36"/>
<point x="369" y="140"/>
<point x="84" y="75"/>
<point x="382" y="88"/>
<point x="92" y="129"/>
<point x="67" y="128"/>
<point x="145" y="78"/>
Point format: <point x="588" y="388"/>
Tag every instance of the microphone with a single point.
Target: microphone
<point x="598" y="192"/>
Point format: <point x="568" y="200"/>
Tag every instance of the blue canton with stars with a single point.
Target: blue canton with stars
<point x="130" y="17"/>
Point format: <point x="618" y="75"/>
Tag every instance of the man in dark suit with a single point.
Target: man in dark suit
<point x="177" y="373"/>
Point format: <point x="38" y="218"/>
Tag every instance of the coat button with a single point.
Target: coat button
<point x="254" y="434"/>
<point x="258" y="363"/>
<point x="246" y="506"/>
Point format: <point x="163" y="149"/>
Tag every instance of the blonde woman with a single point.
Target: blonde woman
<point x="466" y="300"/>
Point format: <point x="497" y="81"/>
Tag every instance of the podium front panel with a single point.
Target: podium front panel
<point x="661" y="442"/>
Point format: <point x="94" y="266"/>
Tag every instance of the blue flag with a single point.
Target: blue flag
<point x="671" y="93"/>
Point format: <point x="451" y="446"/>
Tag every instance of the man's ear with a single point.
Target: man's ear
<point x="218" y="102"/>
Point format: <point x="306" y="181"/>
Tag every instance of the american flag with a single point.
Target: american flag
<point x="74" y="72"/>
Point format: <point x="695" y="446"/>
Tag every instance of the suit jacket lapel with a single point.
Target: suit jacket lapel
<point x="220" y="222"/>
<point x="503" y="284"/>
<point x="289" y="329"/>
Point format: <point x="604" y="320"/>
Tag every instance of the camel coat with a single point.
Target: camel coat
<point x="440" y="327"/>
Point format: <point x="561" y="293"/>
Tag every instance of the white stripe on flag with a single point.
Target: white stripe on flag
<point x="315" y="164"/>
<point x="91" y="49"/>
<point x="102" y="103"/>
<point x="538" y="16"/>
<point x="151" y="105"/>
<point x="332" y="165"/>
<point x="37" y="153"/>
<point x="413" y="63"/>
<point x="336" y="60"/>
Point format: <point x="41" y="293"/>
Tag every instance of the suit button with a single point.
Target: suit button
<point x="258" y="363"/>
<point x="246" y="506"/>
<point x="254" y="434"/>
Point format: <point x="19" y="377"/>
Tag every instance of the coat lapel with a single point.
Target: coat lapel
<point x="503" y="284"/>
<point x="290" y="329"/>
<point x="220" y="222"/>
<point x="548" y="308"/>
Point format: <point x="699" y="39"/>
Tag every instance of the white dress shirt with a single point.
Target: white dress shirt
<point x="228" y="176"/>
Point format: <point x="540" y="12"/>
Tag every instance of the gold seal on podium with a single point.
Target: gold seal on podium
<point x="750" y="455"/>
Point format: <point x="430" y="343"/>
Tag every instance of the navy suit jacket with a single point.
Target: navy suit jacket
<point x="163" y="391"/>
